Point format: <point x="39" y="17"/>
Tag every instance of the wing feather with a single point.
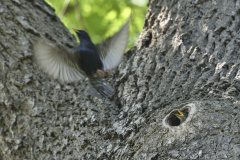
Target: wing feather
<point x="57" y="63"/>
<point x="111" y="50"/>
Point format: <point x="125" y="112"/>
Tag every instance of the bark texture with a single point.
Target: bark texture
<point x="186" y="58"/>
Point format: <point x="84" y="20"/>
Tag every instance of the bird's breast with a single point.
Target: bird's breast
<point x="90" y="61"/>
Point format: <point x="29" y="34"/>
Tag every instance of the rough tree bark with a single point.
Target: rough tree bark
<point x="187" y="56"/>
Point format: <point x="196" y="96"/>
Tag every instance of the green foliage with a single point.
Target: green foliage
<point x="102" y="18"/>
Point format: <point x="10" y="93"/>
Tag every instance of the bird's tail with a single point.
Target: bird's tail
<point x="99" y="88"/>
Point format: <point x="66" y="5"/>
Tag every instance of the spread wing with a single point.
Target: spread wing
<point x="111" y="50"/>
<point x="57" y="63"/>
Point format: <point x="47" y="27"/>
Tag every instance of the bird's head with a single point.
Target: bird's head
<point x="179" y="114"/>
<point x="82" y="35"/>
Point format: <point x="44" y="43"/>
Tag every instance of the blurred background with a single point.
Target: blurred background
<point x="102" y="18"/>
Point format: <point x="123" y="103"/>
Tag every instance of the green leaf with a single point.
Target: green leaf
<point x="102" y="18"/>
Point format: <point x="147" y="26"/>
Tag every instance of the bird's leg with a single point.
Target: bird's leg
<point x="108" y="72"/>
<point x="99" y="73"/>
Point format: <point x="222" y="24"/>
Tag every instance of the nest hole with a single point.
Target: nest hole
<point x="173" y="120"/>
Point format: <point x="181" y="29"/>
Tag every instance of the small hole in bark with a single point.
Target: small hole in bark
<point x="52" y="134"/>
<point x="174" y="120"/>
<point x="149" y="39"/>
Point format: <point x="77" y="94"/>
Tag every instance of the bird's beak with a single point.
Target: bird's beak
<point x="74" y="30"/>
<point x="179" y="114"/>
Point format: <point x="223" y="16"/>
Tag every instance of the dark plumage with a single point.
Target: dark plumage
<point x="87" y="59"/>
<point x="90" y="60"/>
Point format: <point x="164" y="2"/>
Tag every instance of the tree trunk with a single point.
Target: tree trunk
<point x="186" y="58"/>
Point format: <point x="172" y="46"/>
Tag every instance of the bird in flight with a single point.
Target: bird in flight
<point x="94" y="61"/>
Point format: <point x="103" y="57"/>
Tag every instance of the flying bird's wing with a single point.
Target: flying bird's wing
<point x="111" y="50"/>
<point x="57" y="62"/>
